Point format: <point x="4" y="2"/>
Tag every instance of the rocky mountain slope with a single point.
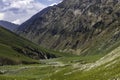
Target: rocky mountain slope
<point x="77" y="26"/>
<point x="8" y="25"/>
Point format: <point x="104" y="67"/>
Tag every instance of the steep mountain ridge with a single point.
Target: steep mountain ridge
<point x="80" y="26"/>
<point x="8" y="25"/>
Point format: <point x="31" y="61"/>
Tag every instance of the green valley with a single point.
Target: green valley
<point x="73" y="40"/>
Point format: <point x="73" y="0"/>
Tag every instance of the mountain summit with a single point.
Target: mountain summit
<point x="76" y="26"/>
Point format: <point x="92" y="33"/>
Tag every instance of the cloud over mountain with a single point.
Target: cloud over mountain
<point x="17" y="11"/>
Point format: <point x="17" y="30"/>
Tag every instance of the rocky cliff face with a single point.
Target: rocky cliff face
<point x="77" y="26"/>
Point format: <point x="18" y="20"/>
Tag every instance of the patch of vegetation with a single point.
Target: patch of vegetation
<point x="17" y="50"/>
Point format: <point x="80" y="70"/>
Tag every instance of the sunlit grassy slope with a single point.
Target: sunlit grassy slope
<point x="8" y="55"/>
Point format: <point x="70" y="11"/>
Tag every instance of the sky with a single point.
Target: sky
<point x="18" y="11"/>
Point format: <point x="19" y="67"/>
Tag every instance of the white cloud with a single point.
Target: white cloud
<point x="18" y="11"/>
<point x="1" y="16"/>
<point x="50" y="0"/>
<point x="53" y="4"/>
<point x="16" y="21"/>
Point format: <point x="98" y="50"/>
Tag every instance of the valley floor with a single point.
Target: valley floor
<point x="66" y="68"/>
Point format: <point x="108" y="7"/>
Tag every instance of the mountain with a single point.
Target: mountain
<point x="17" y="50"/>
<point x="83" y="27"/>
<point x="8" y="25"/>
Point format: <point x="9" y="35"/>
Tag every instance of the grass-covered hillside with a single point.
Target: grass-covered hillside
<point x="15" y="49"/>
<point x="70" y="68"/>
